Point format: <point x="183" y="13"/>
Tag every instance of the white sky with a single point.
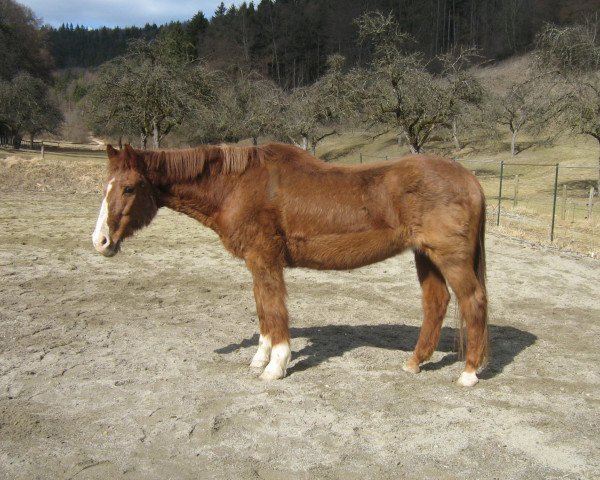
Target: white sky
<point x="112" y="13"/>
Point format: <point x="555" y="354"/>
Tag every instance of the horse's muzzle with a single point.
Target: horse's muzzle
<point x="103" y="245"/>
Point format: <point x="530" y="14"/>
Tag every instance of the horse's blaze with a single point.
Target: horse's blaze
<point x="101" y="235"/>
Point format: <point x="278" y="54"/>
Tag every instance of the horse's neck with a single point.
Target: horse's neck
<point x="197" y="200"/>
<point x="196" y="181"/>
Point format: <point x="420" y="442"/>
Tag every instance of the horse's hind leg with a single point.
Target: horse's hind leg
<point x="435" y="302"/>
<point x="269" y="293"/>
<point x="472" y="300"/>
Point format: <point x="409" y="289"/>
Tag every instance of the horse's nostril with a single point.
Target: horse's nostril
<point x="104" y="241"/>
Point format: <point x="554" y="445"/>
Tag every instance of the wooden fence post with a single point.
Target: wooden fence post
<point x="590" y="203"/>
<point x="500" y="192"/>
<point x="554" y="203"/>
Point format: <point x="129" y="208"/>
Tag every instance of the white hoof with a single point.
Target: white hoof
<point x="467" y="379"/>
<point x="263" y="354"/>
<point x="272" y="373"/>
<point x="259" y="362"/>
<point x="277" y="367"/>
<point x="410" y="367"/>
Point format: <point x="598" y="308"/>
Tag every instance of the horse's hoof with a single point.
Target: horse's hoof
<point x="411" y="367"/>
<point x="259" y="363"/>
<point x="467" y="379"/>
<point x="272" y="373"/>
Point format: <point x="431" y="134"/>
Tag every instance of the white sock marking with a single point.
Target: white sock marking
<point x="467" y="379"/>
<point x="263" y="354"/>
<point x="280" y="358"/>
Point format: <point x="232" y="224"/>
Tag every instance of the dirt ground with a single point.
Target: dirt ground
<point x="136" y="366"/>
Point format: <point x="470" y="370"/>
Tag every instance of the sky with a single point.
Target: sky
<point x="112" y="13"/>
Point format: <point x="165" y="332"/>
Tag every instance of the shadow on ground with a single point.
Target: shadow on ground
<point x="334" y="340"/>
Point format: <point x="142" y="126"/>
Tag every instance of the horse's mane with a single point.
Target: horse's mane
<point x="188" y="164"/>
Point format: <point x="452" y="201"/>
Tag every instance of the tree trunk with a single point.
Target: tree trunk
<point x="144" y="141"/>
<point x="413" y="143"/>
<point x="120" y="142"/>
<point x="305" y="142"/>
<point x="31" y="140"/>
<point x="457" y="143"/>
<point x="155" y="136"/>
<point x="598" y="185"/>
<point x="254" y="141"/>
<point x="513" y="143"/>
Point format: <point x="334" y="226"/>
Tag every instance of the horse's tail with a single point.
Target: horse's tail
<point x="479" y="260"/>
<point x="480" y="272"/>
<point x="479" y="267"/>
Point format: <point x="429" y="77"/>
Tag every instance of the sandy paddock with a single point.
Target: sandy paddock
<point x="136" y="366"/>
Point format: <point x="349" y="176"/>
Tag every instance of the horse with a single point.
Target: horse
<point x="277" y="206"/>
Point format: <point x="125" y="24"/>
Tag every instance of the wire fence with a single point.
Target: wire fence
<point x="552" y="202"/>
<point x="63" y="148"/>
<point x="546" y="202"/>
<point x="364" y="158"/>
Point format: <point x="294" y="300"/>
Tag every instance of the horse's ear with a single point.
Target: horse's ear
<point x="114" y="158"/>
<point x="132" y="159"/>
<point x="112" y="152"/>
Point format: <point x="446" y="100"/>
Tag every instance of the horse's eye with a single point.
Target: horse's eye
<point x="128" y="190"/>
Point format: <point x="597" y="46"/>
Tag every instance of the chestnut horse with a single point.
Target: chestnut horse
<point x="276" y="206"/>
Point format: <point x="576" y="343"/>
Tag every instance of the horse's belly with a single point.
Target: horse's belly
<point x="346" y="250"/>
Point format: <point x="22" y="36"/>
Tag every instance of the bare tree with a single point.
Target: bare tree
<point x="528" y="105"/>
<point x="26" y="107"/>
<point x="251" y="105"/>
<point x="569" y="51"/>
<point x="466" y="90"/>
<point x="572" y="54"/>
<point x="150" y="91"/>
<point x="399" y="93"/>
<point x="315" y="112"/>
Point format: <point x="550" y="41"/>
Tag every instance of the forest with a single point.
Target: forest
<point x="300" y="71"/>
<point x="289" y="41"/>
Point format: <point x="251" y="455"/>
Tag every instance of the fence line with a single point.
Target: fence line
<point x="363" y="156"/>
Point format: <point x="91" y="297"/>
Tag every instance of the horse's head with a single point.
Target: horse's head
<point x="129" y="202"/>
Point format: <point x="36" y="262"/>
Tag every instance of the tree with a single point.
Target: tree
<point x="401" y="94"/>
<point x="27" y="108"/>
<point x="149" y="91"/>
<point x="528" y="105"/>
<point x="254" y="106"/>
<point x="568" y="51"/>
<point x="195" y="29"/>
<point x="314" y="112"/>
<point x="464" y="87"/>
<point x="22" y="43"/>
<point x="572" y="54"/>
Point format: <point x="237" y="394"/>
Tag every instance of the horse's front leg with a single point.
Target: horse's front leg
<point x="269" y="293"/>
